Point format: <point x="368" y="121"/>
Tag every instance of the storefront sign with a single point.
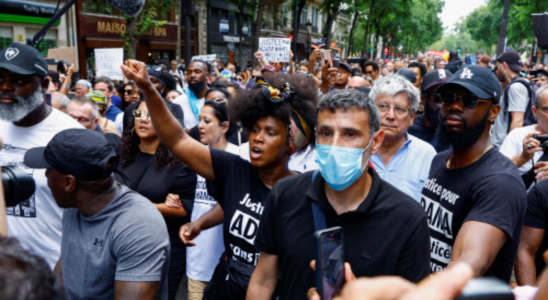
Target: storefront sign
<point x="223" y="26"/>
<point x="96" y="26"/>
<point x="108" y="62"/>
<point x="26" y="12"/>
<point x="231" y="39"/>
<point x="210" y="58"/>
<point x="275" y="49"/>
<point x="333" y="44"/>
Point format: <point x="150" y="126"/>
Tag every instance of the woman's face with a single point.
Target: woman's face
<point x="303" y="69"/>
<point x="136" y="96"/>
<point x="143" y="126"/>
<point x="542" y="80"/>
<point x="128" y="93"/>
<point x="172" y="95"/>
<point x="80" y="89"/>
<point x="211" y="129"/>
<point x="268" y="142"/>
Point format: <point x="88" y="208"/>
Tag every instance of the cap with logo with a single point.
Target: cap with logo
<point x="407" y="74"/>
<point x="22" y="59"/>
<point x="82" y="153"/>
<point x="513" y="59"/>
<point x="478" y="80"/>
<point x="434" y="78"/>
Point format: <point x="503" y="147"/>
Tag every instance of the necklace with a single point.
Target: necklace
<point x="475" y="160"/>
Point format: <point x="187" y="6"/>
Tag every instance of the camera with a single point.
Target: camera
<point x="543" y="139"/>
<point x="62" y="66"/>
<point x="18" y="185"/>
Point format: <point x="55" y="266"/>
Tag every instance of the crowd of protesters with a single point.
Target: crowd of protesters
<point x="197" y="180"/>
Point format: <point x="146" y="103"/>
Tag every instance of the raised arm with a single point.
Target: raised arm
<point x="66" y="83"/>
<point x="477" y="244"/>
<point x="135" y="290"/>
<point x="171" y="133"/>
<point x="291" y="63"/>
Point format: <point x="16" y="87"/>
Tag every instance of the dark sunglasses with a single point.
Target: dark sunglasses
<point x="369" y="72"/>
<point x="128" y="92"/>
<point x="468" y="100"/>
<point x="435" y="96"/>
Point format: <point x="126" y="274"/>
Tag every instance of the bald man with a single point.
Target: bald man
<point x="59" y="101"/>
<point x="356" y="81"/>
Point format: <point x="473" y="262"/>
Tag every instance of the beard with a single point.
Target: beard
<point x="21" y="107"/>
<point x="464" y="139"/>
<point x="197" y="87"/>
<point x="432" y="115"/>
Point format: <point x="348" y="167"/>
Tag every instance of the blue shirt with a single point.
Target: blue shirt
<point x="112" y="112"/>
<point x="409" y="168"/>
<point x="116" y="101"/>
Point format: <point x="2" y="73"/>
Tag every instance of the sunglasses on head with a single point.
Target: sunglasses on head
<point x="468" y="100"/>
<point x="218" y="100"/>
<point x="139" y="114"/>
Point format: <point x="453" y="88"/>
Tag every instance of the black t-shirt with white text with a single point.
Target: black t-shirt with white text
<point x="489" y="191"/>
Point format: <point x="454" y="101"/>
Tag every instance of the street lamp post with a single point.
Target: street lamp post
<point x="308" y="28"/>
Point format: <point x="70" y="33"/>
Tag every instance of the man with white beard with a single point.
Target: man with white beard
<point x="26" y="121"/>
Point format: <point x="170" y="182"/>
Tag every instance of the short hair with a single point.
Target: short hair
<point x="24" y="275"/>
<point x="205" y="63"/>
<point x="105" y="80"/>
<point x="60" y="98"/>
<point x="54" y="77"/>
<point x="479" y="52"/>
<point x="373" y="64"/>
<point x="174" y="61"/>
<point x="395" y="84"/>
<point x="538" y="93"/>
<point x="352" y="99"/>
<point x="83" y="100"/>
<point x="421" y="66"/>
<point x="219" y="87"/>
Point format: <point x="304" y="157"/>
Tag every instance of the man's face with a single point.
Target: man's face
<point x="431" y="108"/>
<point x="342" y="77"/>
<point x="173" y="65"/>
<point x="500" y="71"/>
<point x="398" y="118"/>
<point x="541" y="114"/>
<point x="103" y="87"/>
<point x="369" y="71"/>
<point x="384" y="71"/>
<point x="355" y="82"/>
<point x="196" y="76"/>
<point x="390" y="67"/>
<point x="19" y="95"/>
<point x="157" y="84"/>
<point x="347" y="128"/>
<point x="56" y="184"/>
<point x="542" y="80"/>
<point x="417" y="72"/>
<point x="277" y="65"/>
<point x="479" y="56"/>
<point x="83" y="114"/>
<point x="80" y="89"/>
<point x="255" y="74"/>
<point x="441" y="65"/>
<point x="462" y="126"/>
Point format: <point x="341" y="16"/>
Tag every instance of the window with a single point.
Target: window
<point x="314" y="16"/>
<point x="6" y="37"/>
<point x="304" y="15"/>
<point x="49" y="41"/>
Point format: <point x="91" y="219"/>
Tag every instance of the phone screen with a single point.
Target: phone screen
<point x="332" y="264"/>
<point x="326" y="58"/>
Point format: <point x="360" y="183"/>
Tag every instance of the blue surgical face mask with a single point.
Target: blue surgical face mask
<point x="340" y="166"/>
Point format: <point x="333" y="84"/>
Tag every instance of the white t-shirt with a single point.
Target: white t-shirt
<point x="301" y="162"/>
<point x="517" y="102"/>
<point x="190" y="118"/>
<point x="119" y="123"/>
<point x="202" y="259"/>
<point x="36" y="222"/>
<point x="513" y="145"/>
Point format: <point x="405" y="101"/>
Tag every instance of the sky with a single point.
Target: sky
<point x="454" y="9"/>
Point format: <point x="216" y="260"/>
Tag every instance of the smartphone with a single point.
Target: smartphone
<point x="326" y="58"/>
<point x="329" y="262"/>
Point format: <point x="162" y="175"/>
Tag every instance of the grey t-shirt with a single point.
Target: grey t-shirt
<point x="517" y="102"/>
<point x="126" y="241"/>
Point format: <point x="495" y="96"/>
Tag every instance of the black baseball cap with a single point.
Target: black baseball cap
<point x="434" y="78"/>
<point x="82" y="153"/>
<point x="478" y="80"/>
<point x="513" y="59"/>
<point x="346" y="66"/>
<point x="158" y="75"/>
<point x="22" y="59"/>
<point x="407" y="74"/>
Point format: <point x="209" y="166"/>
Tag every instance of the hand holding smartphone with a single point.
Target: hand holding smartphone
<point x="326" y="58"/>
<point x="330" y="276"/>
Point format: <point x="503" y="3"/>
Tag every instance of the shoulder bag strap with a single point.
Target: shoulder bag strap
<point x="317" y="211"/>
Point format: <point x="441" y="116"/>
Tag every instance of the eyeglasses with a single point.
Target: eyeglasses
<point x="139" y="114"/>
<point x="369" y="72"/>
<point x="218" y="100"/>
<point x="82" y="119"/>
<point x="400" y="111"/>
<point x="468" y="100"/>
<point x="240" y="79"/>
<point x="128" y="92"/>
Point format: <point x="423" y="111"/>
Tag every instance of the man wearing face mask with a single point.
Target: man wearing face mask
<point x="385" y="231"/>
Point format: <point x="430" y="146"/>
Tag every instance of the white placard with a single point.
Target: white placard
<point x="210" y="58"/>
<point x="275" y="49"/>
<point x="108" y="62"/>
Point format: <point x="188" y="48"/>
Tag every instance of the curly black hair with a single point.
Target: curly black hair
<point x="251" y="105"/>
<point x="130" y="146"/>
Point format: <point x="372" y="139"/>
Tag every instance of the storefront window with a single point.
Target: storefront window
<point x="6" y="37"/>
<point x="49" y="41"/>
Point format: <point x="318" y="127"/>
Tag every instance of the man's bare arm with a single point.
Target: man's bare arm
<point x="264" y="279"/>
<point x="135" y="290"/>
<point x="517" y="120"/>
<point x="531" y="239"/>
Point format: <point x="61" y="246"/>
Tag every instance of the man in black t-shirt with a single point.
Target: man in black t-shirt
<point x="424" y="126"/>
<point x="474" y="197"/>
<point x="385" y="232"/>
<point x="534" y="237"/>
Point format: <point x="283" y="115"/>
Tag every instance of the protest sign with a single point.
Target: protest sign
<point x="210" y="58"/>
<point x="108" y="62"/>
<point x="68" y="54"/>
<point x="275" y="49"/>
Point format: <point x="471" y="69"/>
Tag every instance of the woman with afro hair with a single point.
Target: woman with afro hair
<point x="242" y="187"/>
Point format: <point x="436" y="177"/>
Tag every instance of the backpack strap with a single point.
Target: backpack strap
<point x="505" y="99"/>
<point x="317" y="211"/>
